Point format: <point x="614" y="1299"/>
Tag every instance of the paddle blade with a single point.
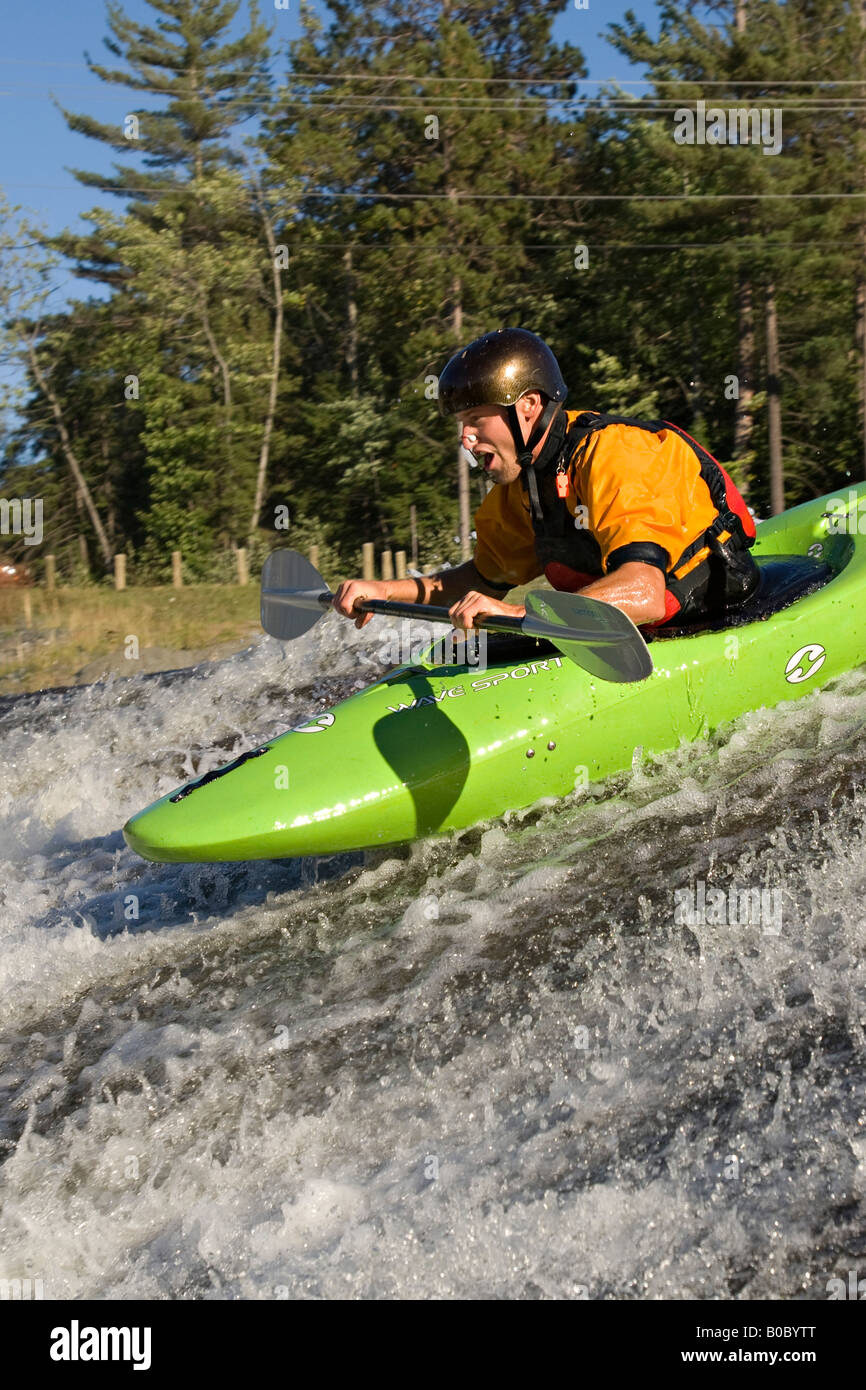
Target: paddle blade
<point x="594" y="635"/>
<point x="290" y="586"/>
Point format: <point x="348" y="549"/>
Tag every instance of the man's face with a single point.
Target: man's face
<point x="485" y="434"/>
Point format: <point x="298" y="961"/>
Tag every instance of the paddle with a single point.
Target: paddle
<point x="594" y="635"/>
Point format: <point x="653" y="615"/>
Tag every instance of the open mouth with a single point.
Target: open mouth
<point x="484" y="456"/>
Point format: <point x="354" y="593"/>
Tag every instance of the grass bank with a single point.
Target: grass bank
<point x="59" y="638"/>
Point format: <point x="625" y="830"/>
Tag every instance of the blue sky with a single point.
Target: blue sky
<point x="42" y="47"/>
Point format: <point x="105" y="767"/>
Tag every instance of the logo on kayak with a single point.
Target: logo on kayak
<point x="489" y="682"/>
<point x="324" y="721"/>
<point x="805" y="663"/>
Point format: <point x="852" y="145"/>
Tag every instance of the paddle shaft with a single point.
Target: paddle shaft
<point x="394" y="608"/>
<point x="502" y="622"/>
<point x="592" y="634"/>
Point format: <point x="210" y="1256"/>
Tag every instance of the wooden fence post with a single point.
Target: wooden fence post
<point x="367" y="561"/>
<point x="314" y="556"/>
<point x="176" y="570"/>
<point x="243" y="571"/>
<point x="400" y="563"/>
<point x="387" y="565"/>
<point x="120" y="571"/>
<point x="50" y="573"/>
<point x="28" y="608"/>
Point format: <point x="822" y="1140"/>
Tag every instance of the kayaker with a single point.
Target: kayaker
<point x="633" y="512"/>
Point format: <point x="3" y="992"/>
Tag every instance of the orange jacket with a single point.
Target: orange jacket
<point x="631" y="486"/>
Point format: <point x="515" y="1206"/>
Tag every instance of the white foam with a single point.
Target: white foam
<point x="493" y="1066"/>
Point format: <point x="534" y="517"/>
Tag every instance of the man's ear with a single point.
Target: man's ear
<point x="530" y="405"/>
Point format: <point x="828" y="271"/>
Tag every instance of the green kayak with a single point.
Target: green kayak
<point x="429" y="749"/>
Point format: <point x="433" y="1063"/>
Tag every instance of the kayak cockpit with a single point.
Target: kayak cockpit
<point x="784" y="580"/>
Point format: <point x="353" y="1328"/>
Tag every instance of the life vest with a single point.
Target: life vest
<point x="713" y="573"/>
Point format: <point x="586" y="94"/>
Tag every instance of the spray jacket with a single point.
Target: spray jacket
<point x="608" y="490"/>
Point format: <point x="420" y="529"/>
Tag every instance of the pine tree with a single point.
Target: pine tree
<point x="435" y="141"/>
<point x="193" y="262"/>
<point x="44" y="347"/>
<point x="786" y="298"/>
<point x="207" y="86"/>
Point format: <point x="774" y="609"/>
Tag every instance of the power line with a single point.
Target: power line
<point x="579" y="105"/>
<point x="568" y="247"/>
<point x="510" y="81"/>
<point x="576" y="197"/>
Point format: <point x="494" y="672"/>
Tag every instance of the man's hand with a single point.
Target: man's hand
<point x="474" y="605"/>
<point x="351" y="590"/>
<point x="449" y="587"/>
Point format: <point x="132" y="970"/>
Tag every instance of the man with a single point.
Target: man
<point x="634" y="513"/>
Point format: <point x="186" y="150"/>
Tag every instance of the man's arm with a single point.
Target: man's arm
<point x="444" y="589"/>
<point x="637" y="589"/>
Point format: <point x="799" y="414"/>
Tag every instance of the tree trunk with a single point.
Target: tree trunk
<point x="861" y="283"/>
<point x="774" y="403"/>
<point x="68" y="451"/>
<point x="413" y="523"/>
<point x="108" y="493"/>
<point x="743" y="421"/>
<point x="464" y="509"/>
<point x="220" y="360"/>
<point x="462" y="461"/>
<point x="860" y="338"/>
<point x="276" y="352"/>
<point x="351" y="322"/>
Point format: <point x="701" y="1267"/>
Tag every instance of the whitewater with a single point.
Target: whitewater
<point x="501" y="1064"/>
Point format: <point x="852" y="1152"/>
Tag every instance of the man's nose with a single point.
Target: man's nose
<point x="468" y="438"/>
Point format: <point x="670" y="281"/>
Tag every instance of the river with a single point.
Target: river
<point x="511" y="1063"/>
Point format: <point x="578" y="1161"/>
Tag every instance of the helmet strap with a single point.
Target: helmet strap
<point x="526" y="448"/>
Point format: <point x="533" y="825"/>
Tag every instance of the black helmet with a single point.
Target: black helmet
<point x="497" y="370"/>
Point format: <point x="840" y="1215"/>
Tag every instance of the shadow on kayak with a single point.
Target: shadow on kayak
<point x="427" y="751"/>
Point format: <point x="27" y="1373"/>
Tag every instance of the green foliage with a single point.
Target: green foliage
<point x="425" y="173"/>
<point x="620" y="393"/>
